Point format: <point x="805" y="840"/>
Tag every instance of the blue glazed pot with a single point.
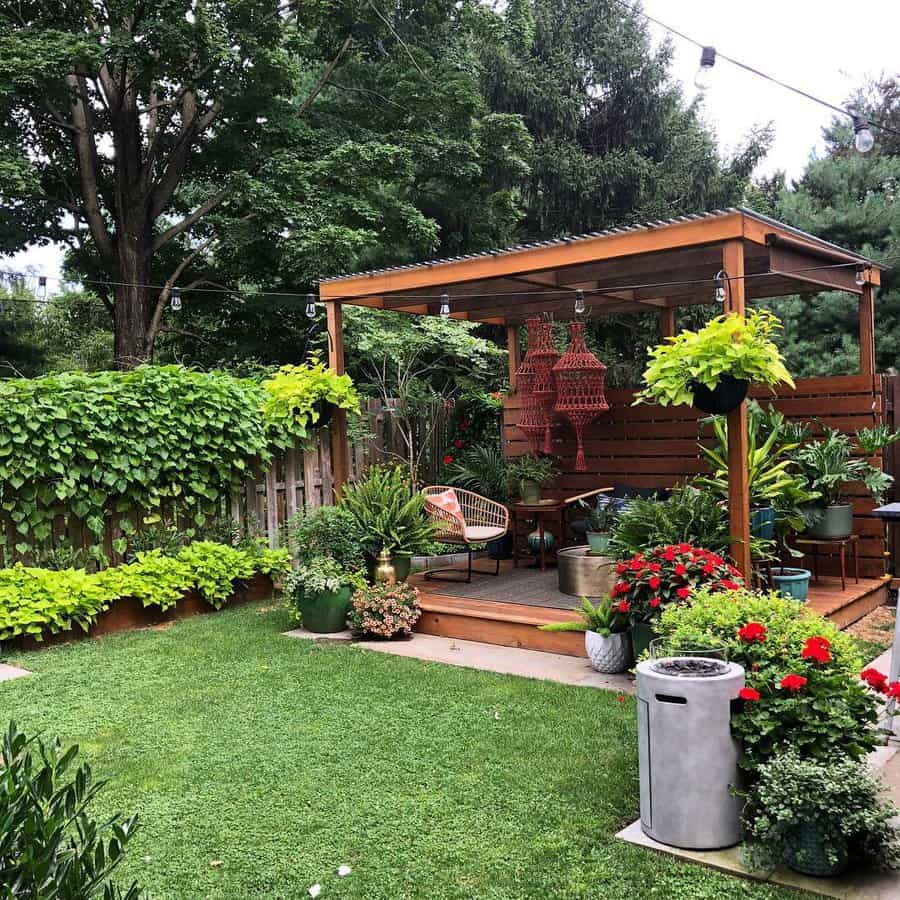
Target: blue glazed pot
<point x="792" y="582"/>
<point x="762" y="523"/>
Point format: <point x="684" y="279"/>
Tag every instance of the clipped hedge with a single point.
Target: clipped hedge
<point x="156" y="441"/>
<point x="36" y="601"/>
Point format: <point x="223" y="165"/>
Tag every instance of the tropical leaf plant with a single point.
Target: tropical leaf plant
<point x="483" y="469"/>
<point x="601" y="618"/>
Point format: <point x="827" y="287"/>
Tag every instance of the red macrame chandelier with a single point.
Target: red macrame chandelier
<point x="532" y="416"/>
<point x="544" y="389"/>
<point x="578" y="378"/>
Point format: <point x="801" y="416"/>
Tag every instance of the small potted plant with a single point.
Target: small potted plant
<point x="606" y="638"/>
<point x="818" y="816"/>
<point x="384" y="610"/>
<point x="320" y="591"/>
<point x="712" y="368"/>
<point x="647" y="583"/>
<point x="828" y="465"/>
<point x="528" y="474"/>
<point x="601" y="522"/>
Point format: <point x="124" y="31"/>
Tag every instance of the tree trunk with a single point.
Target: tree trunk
<point x="131" y="315"/>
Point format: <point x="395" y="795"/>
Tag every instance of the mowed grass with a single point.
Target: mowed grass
<point x="280" y="760"/>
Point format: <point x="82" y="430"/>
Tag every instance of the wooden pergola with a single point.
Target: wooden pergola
<point x="652" y="268"/>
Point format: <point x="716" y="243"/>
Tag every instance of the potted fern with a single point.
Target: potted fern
<point x="528" y="474"/>
<point x="607" y="641"/>
<point x="713" y="368"/>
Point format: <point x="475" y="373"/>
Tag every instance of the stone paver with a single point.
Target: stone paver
<point x="505" y="660"/>
<point x="8" y="673"/>
<point x="333" y="637"/>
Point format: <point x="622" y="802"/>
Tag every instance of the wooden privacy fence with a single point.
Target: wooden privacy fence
<point x="655" y="446"/>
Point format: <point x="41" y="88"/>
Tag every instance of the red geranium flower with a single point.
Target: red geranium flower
<point x="816" y="650"/>
<point x="684" y="548"/>
<point x="681" y="569"/>
<point x="753" y="631"/>
<point x="793" y="682"/>
<point x="654" y="567"/>
<point x="669" y="554"/>
<point x="683" y="593"/>
<point x="621" y="569"/>
<point x="874" y="679"/>
<point x="448" y="459"/>
<point x="623" y="606"/>
<point x="893" y="690"/>
<point x="654" y="602"/>
<point x="749" y="694"/>
<point x="655" y="582"/>
<point x="729" y="585"/>
<point x="620" y="587"/>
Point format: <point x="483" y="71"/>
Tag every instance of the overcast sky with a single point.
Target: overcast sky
<point x="825" y="47"/>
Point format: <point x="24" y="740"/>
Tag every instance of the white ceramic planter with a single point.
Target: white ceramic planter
<point x="608" y="655"/>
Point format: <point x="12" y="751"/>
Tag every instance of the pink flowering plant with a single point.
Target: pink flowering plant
<point x="384" y="610"/>
<point x="647" y="583"/>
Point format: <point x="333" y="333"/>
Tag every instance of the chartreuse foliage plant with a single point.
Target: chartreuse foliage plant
<point x="294" y="398"/>
<point x="159" y="441"/>
<point x="728" y="345"/>
<point x="50" y="846"/>
<point x="35" y="602"/>
<point x="802" y="674"/>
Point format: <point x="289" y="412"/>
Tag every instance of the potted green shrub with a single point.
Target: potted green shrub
<point x="818" y="816"/>
<point x="320" y="591"/>
<point x="828" y="465"/>
<point x="606" y="637"/>
<point x="389" y="515"/>
<point x="601" y="522"/>
<point x="528" y="474"/>
<point x="712" y="368"/>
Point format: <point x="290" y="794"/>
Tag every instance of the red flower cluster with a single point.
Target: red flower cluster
<point x="818" y="649"/>
<point x="753" y="632"/>
<point x="748" y="693"/>
<point x="879" y="683"/>
<point x="793" y="683"/>
<point x="649" y="582"/>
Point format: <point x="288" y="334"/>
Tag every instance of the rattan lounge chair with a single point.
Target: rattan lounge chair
<point x="472" y="520"/>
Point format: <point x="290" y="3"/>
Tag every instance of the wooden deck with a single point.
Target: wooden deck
<point x="507" y="623"/>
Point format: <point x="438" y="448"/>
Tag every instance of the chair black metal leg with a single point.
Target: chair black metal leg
<point x="441" y="574"/>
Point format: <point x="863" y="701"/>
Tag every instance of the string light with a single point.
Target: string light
<point x="445" y="306"/>
<point x="704" y="74"/>
<point x="863" y="139"/>
<point x="175" y="302"/>
<point x="310" y="310"/>
<point x="721" y="280"/>
<point x="860" y="278"/>
<point x="579" y="302"/>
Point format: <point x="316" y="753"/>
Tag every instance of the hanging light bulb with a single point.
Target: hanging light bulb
<point x="445" y="306"/>
<point x="42" y="284"/>
<point x="579" y="303"/>
<point x="860" y="278"/>
<point x="864" y="139"/>
<point x="310" y="309"/>
<point x="704" y="74"/>
<point x="721" y="292"/>
<point x="175" y="301"/>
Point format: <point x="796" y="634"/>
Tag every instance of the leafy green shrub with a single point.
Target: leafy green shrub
<point x="727" y="345"/>
<point x="294" y="398"/>
<point x="387" y="512"/>
<point x="839" y="796"/>
<point x="689" y="516"/>
<point x="36" y="601"/>
<point x="326" y="531"/>
<point x="802" y="673"/>
<point x="50" y="847"/>
<point x="531" y="467"/>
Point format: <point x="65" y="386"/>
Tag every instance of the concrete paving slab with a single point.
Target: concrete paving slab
<point x="8" y="673"/>
<point x="331" y="637"/>
<point x="505" y="660"/>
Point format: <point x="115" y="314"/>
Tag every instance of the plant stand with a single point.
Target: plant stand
<point x="552" y="510"/>
<point x="815" y="543"/>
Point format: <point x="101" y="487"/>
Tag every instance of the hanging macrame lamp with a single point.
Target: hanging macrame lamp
<point x="532" y="415"/>
<point x="579" y="377"/>
<point x="544" y="389"/>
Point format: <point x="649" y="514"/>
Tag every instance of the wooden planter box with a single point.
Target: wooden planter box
<point x="128" y="612"/>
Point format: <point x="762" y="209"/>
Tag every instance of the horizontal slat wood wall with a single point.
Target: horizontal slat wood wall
<point x="653" y="446"/>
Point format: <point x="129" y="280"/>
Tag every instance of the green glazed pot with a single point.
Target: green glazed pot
<point x="835" y="525"/>
<point x="598" y="541"/>
<point x="641" y="635"/>
<point x="807" y="853"/>
<point x="326" y="612"/>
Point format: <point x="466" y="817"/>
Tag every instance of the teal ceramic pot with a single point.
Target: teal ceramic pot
<point x="642" y="633"/>
<point x="402" y="563"/>
<point x="534" y="541"/>
<point x="835" y="525"/>
<point x="807" y="854"/>
<point x="762" y="523"/>
<point x="326" y="612"/>
<point x="792" y="582"/>
<point x="598" y="541"/>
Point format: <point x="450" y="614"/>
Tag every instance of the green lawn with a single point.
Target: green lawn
<point x="284" y="760"/>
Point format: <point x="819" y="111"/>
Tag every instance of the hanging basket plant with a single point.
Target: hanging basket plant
<point x="713" y="368"/>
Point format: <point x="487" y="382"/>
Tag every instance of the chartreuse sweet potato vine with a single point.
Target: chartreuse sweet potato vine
<point x="157" y="441"/>
<point x="727" y="345"/>
<point x="37" y="601"/>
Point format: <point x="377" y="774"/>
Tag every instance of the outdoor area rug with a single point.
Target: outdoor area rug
<point x="528" y="586"/>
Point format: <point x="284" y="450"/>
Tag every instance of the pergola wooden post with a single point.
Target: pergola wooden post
<point x="340" y="448"/>
<point x="515" y="354"/>
<point x="867" y="330"/>
<point x="667" y="322"/>
<point x="738" y="474"/>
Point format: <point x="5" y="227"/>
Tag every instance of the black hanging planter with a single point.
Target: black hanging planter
<point x="727" y="395"/>
<point x="325" y="410"/>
